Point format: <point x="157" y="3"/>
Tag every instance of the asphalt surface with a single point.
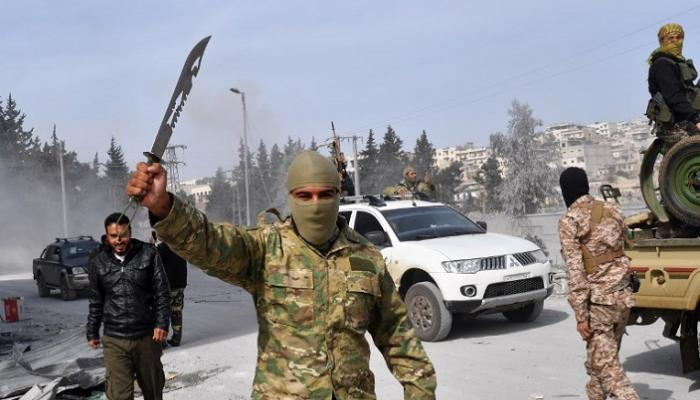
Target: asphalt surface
<point x="484" y="358"/>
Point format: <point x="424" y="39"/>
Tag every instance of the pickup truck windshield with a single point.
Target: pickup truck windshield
<point x="420" y="223"/>
<point x="78" y="249"/>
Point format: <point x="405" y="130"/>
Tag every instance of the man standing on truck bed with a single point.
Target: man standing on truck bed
<point x="592" y="237"/>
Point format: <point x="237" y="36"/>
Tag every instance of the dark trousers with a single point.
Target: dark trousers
<point x="129" y="358"/>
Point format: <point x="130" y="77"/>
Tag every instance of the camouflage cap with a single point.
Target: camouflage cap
<point x="669" y="29"/>
<point x="407" y="170"/>
<point x="311" y="168"/>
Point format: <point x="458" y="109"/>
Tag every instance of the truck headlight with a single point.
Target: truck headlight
<point x="78" y="270"/>
<point x="463" y="266"/>
<point x="539" y="256"/>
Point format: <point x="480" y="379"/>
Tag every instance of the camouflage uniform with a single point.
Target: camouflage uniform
<point x="427" y="189"/>
<point x="177" y="303"/>
<point x="602" y="298"/>
<point x="403" y="189"/>
<point x="313" y="309"/>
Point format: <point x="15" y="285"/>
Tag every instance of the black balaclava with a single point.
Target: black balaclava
<point x="574" y="184"/>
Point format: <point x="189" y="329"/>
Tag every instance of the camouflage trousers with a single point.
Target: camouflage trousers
<point x="177" y="302"/>
<point x="607" y="378"/>
<point x="672" y="134"/>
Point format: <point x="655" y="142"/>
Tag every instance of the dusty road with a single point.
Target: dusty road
<point x="487" y="358"/>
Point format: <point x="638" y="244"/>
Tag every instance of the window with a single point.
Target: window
<point x="366" y="222"/>
<point x="54" y="253"/>
<point x="346" y="215"/>
<point x="420" y="223"/>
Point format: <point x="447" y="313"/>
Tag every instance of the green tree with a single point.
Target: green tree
<point x="116" y="173"/>
<point x="447" y="181"/>
<point x="368" y="161"/>
<point x="18" y="146"/>
<point x="423" y="155"/>
<point x="489" y="177"/>
<point x="313" y="146"/>
<point x="262" y="190"/>
<point x="277" y="174"/>
<point x="116" y="168"/>
<point x="391" y="158"/>
<point x="529" y="181"/>
<point x="220" y="200"/>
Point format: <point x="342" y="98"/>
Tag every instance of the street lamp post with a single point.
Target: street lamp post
<point x="63" y="187"/>
<point x="245" y="155"/>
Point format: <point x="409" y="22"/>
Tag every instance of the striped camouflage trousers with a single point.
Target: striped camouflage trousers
<point x="607" y="378"/>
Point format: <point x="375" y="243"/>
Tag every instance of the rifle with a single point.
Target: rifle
<point x="346" y="183"/>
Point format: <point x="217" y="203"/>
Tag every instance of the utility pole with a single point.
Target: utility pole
<point x="59" y="149"/>
<point x="353" y="138"/>
<point x="245" y="155"/>
<point x="172" y="163"/>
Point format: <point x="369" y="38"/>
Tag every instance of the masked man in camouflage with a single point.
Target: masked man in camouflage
<point x="592" y="237"/>
<point x="318" y="286"/>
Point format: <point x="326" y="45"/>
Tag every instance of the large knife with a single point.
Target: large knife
<point x="182" y="90"/>
<point x="172" y="112"/>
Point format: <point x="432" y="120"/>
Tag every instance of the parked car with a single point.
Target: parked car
<point x="63" y="265"/>
<point x="443" y="263"/>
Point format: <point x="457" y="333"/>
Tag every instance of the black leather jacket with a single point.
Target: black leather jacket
<point x="130" y="298"/>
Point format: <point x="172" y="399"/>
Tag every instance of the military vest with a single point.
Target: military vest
<point x="658" y="110"/>
<point x="591" y="262"/>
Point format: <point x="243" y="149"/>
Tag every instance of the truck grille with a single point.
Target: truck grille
<point x="514" y="287"/>
<point x="525" y="258"/>
<point x="491" y="263"/>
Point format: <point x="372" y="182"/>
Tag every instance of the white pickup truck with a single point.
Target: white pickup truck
<point x="443" y="263"/>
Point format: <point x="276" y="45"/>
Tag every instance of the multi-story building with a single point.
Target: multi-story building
<point x="592" y="157"/>
<point x="199" y="190"/>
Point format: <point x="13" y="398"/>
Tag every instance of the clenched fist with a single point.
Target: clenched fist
<point x="148" y="183"/>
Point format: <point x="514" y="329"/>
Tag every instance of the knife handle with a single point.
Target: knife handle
<point x="152" y="158"/>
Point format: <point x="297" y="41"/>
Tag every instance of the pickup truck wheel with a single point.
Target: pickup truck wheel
<point x="44" y="291"/>
<point x="66" y="293"/>
<point x="427" y="312"/>
<point x="528" y="313"/>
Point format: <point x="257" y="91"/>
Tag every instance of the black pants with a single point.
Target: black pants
<point x="129" y="358"/>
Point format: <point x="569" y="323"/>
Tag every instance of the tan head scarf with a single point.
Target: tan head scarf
<point x="674" y="48"/>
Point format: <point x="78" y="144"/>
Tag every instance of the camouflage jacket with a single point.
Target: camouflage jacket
<point x="313" y="310"/>
<point x="426" y="189"/>
<point x="403" y="189"/>
<point x="601" y="285"/>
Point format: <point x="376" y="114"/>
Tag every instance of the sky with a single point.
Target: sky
<point x="452" y="68"/>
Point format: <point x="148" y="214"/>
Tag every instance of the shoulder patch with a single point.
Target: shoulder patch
<point x="362" y="264"/>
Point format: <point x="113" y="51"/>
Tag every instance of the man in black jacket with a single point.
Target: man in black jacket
<point x="672" y="76"/>
<point x="176" y="270"/>
<point x="129" y="294"/>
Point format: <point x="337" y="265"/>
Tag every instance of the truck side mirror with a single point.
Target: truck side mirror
<point x="378" y="238"/>
<point x="482" y="224"/>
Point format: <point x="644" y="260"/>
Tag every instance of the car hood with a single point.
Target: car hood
<point x="478" y="245"/>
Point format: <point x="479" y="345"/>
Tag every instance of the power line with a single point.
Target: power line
<point x="446" y="104"/>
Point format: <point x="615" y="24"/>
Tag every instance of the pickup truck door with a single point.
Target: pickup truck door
<point x="52" y="265"/>
<point x="367" y="224"/>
